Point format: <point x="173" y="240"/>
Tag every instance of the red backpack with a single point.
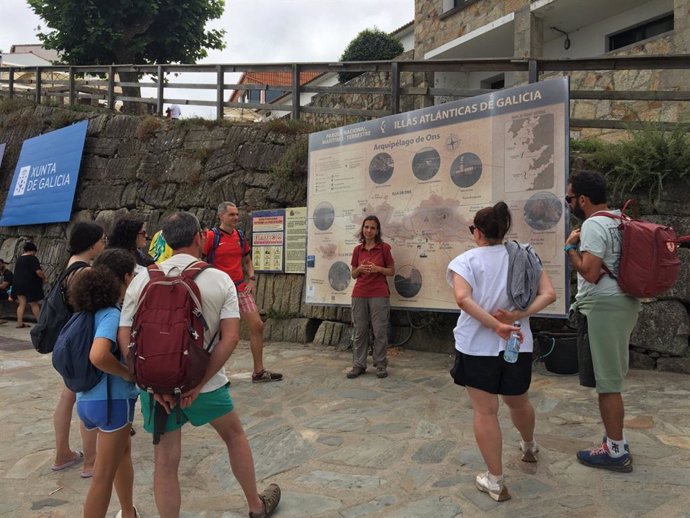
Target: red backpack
<point x="166" y="352"/>
<point x="649" y="263"/>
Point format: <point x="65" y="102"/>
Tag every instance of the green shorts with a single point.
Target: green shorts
<point x="206" y="408"/>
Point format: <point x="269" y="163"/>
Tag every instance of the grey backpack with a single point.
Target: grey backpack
<point x="524" y="270"/>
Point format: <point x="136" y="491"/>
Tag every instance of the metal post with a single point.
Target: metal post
<point x="533" y="73"/>
<point x="220" y="91"/>
<point x="72" y="89"/>
<point x="111" y="87"/>
<point x="295" y="92"/>
<point x="38" y="85"/>
<point x="395" y="88"/>
<point x="160" y="90"/>
<point x="11" y="82"/>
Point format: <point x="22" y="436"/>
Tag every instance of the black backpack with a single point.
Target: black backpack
<point x="71" y="353"/>
<point x="54" y="314"/>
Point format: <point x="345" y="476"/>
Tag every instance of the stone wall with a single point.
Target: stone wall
<point x="149" y="168"/>
<point x="369" y="101"/>
<point x="432" y="29"/>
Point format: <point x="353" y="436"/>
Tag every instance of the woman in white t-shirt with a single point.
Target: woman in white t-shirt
<point x="479" y="280"/>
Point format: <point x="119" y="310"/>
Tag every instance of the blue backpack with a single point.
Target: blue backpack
<point x="71" y="353"/>
<point x="216" y="241"/>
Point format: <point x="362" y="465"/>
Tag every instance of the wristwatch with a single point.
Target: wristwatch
<point x="252" y="277"/>
<point x="568" y="248"/>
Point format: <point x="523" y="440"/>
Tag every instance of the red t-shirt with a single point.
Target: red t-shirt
<point x="370" y="285"/>
<point x="229" y="255"/>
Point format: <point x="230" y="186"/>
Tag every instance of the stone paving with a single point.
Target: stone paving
<point x="398" y="447"/>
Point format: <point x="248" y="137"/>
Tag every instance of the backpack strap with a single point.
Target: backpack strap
<point x="622" y="218"/>
<point x="154" y="272"/>
<point x="216" y="241"/>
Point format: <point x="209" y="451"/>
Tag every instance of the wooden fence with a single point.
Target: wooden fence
<point x="75" y="84"/>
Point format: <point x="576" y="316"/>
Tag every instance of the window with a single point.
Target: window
<point x="452" y="6"/>
<point x="641" y="32"/>
<point x="494" y="83"/>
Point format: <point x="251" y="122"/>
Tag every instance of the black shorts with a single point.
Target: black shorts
<point x="493" y="374"/>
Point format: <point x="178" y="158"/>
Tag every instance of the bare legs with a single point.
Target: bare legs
<point x="166" y="485"/>
<point x="113" y="465"/>
<point x="612" y="414"/>
<point x="21" y="309"/>
<point x="487" y="430"/>
<point x="256" y="339"/>
<point x="62" y="419"/>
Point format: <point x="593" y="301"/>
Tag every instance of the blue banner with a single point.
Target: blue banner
<point x="45" y="179"/>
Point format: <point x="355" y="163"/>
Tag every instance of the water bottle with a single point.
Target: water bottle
<point x="512" y="346"/>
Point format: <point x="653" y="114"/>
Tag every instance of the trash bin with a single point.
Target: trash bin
<point x="559" y="351"/>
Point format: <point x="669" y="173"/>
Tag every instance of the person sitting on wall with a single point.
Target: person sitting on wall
<point x="6" y="278"/>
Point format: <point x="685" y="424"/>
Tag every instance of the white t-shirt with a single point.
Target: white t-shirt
<point x="599" y="235"/>
<point x="218" y="302"/>
<point x="175" y="111"/>
<point x="485" y="269"/>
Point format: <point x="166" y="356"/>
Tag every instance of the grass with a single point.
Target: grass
<point x="294" y="161"/>
<point x="646" y="162"/>
<point x="147" y="128"/>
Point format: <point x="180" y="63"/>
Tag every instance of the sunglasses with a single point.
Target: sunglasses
<point x="568" y="199"/>
<point x="472" y="228"/>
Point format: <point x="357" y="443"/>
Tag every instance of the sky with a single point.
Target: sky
<point x="260" y="31"/>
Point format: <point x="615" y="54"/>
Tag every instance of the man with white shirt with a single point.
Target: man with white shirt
<point x="209" y="402"/>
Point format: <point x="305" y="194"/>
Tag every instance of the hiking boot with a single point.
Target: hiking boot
<point x="600" y="458"/>
<point x="270" y="497"/>
<point x="529" y="453"/>
<point x="266" y="376"/>
<point x="356" y="372"/>
<point x="498" y="491"/>
<point x="381" y="371"/>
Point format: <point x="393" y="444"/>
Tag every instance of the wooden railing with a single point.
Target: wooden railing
<point x="104" y="83"/>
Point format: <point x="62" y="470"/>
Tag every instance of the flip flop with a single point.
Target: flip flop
<point x="76" y="460"/>
<point x="21" y="326"/>
<point x="86" y="474"/>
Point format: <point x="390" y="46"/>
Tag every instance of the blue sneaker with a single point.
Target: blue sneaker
<point x="600" y="458"/>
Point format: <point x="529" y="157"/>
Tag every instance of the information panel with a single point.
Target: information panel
<point x="424" y="174"/>
<point x="295" y="239"/>
<point x="268" y="239"/>
<point x="45" y="179"/>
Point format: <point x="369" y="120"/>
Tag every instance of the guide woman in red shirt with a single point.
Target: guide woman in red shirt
<point x="371" y="263"/>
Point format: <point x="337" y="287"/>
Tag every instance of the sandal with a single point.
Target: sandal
<point x="20" y="326"/>
<point x="76" y="460"/>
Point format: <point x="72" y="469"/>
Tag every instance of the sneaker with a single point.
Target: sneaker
<point x="136" y="513"/>
<point x="355" y="372"/>
<point x="529" y="453"/>
<point x="381" y="371"/>
<point x="265" y="376"/>
<point x="270" y="497"/>
<point x="498" y="492"/>
<point x="600" y="458"/>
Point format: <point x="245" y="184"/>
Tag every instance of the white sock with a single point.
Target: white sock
<point x="495" y="479"/>
<point x="529" y="444"/>
<point x="616" y="448"/>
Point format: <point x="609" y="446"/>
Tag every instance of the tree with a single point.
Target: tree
<point x="370" y="45"/>
<point x="96" y="32"/>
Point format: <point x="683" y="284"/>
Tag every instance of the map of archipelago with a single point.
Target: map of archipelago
<point x="425" y="174"/>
